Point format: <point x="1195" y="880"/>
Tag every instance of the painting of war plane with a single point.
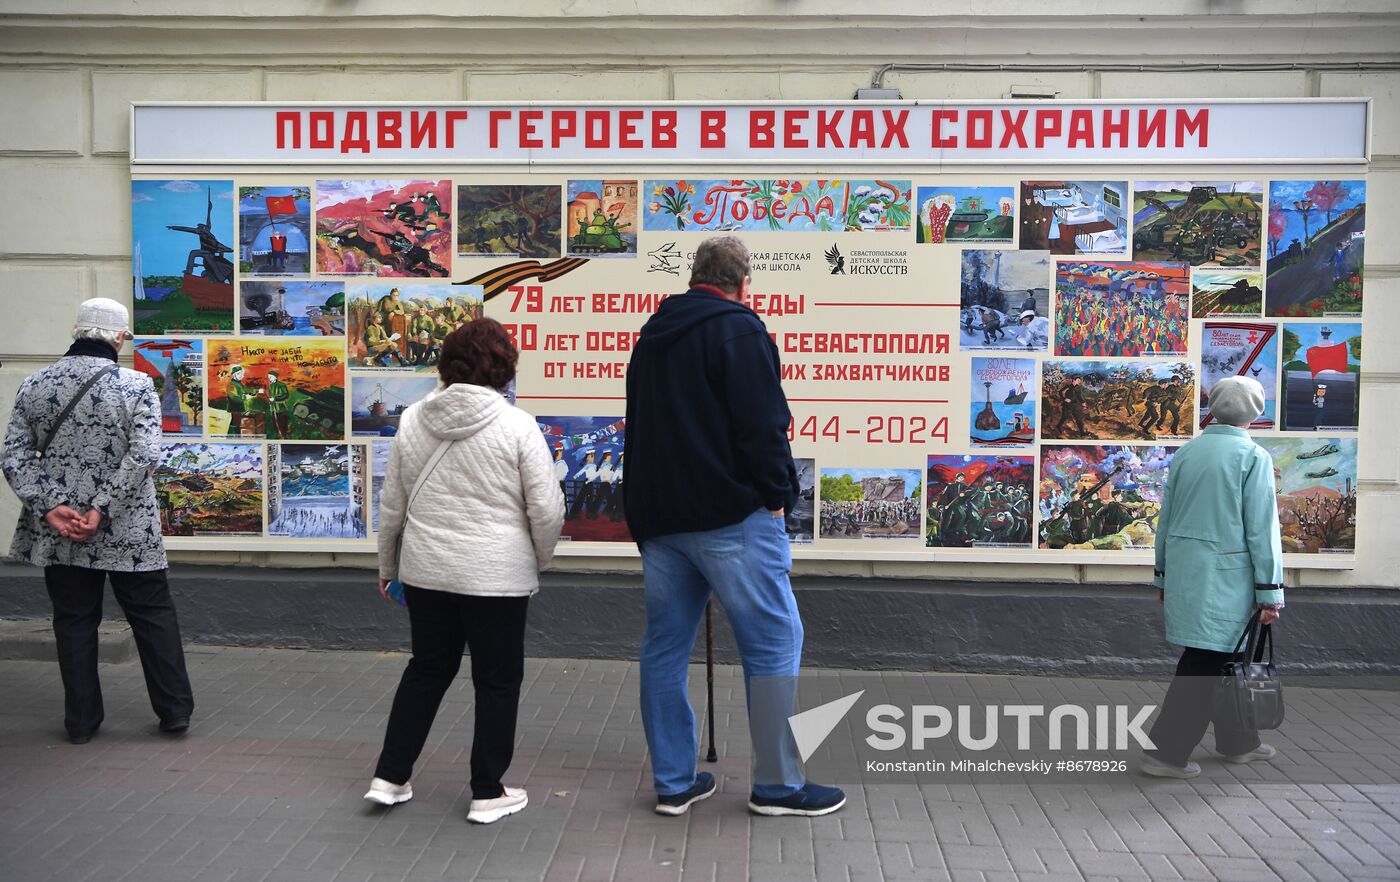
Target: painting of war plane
<point x="588" y="463"/>
<point x="871" y="504"/>
<point x="276" y="389"/>
<point x="291" y="309"/>
<point x="1240" y="349"/>
<point x="1203" y="223"/>
<point x="508" y="220"/>
<point x="1316" y="486"/>
<point x="1124" y="309"/>
<point x="980" y="501"/>
<point x="210" y="489"/>
<point x="1004" y="301"/>
<point x="1074" y="217"/>
<point x="1118" y="400"/>
<point x="274" y="230"/>
<point x="1101" y="497"/>
<point x="1321" y="372"/>
<point x="384" y="228"/>
<point x="601" y="218"/>
<point x="966" y="214"/>
<point x="1317" y="244"/>
<point x="182" y="276"/>
<point x="1226" y="293"/>
<point x="176" y="368"/>
<point x="319" y="491"/>
<point x="1003" y="402"/>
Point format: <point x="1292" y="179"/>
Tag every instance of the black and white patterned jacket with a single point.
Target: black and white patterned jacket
<point x="102" y="457"/>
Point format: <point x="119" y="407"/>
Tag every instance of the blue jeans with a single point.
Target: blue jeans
<point x="747" y="566"/>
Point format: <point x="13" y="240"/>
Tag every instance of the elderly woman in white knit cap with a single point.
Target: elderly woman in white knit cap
<point x="1219" y="558"/>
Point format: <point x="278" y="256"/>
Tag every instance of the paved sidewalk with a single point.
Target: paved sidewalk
<point x="268" y="786"/>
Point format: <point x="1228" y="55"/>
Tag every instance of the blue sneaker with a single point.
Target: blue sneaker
<point x="812" y="800"/>
<point x="680" y="803"/>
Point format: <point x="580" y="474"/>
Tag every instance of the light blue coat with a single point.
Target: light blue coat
<point x="1218" y="545"/>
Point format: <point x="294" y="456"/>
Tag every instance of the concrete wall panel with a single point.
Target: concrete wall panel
<point x="45" y="110"/>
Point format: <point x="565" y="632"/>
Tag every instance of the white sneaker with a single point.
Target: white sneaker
<point x="488" y="811"/>
<point x="385" y="793"/>
<point x="1262" y="752"/>
<point x="1150" y="765"/>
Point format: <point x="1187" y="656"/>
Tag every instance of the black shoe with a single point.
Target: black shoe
<point x="680" y="803"/>
<point x="81" y="739"/>
<point x="175" y="725"/>
<point x="811" y="801"/>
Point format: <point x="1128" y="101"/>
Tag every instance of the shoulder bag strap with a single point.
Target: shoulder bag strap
<point x="1247" y="635"/>
<point x="72" y="403"/>
<point x="427" y="470"/>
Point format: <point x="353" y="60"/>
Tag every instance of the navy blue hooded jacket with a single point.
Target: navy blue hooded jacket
<point x="706" y="443"/>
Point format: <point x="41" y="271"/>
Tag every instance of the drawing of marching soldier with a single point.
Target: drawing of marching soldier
<point x="1153" y="398"/>
<point x="1172" y="400"/>
<point x="1072" y="406"/>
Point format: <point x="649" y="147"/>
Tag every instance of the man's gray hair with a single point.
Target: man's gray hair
<point x="723" y="262"/>
<point x="113" y="339"/>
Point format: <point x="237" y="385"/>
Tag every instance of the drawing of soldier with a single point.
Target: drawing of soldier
<point x="1172" y="400"/>
<point x="456" y="310"/>
<point x="278" y="406"/>
<point x="389" y="306"/>
<point x="951" y="518"/>
<point x="1152" y="399"/>
<point x="587" y="475"/>
<point x="430" y="203"/>
<point x="1077" y="512"/>
<point x="1115" y="516"/>
<point x="420" y="334"/>
<point x="1072" y="406"/>
<point x="381" y="348"/>
<point x="238" y="397"/>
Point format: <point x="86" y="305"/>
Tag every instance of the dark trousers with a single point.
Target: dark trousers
<point x="76" y="593"/>
<point x="1190" y="707"/>
<point x="442" y="625"/>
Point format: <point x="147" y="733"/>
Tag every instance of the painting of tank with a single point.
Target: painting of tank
<point x="1315" y="479"/>
<point x="1101" y="497"/>
<point x="508" y="220"/>
<point x="210" y="489"/>
<point x="966" y="214"/>
<point x="980" y="501"/>
<point x="1203" y="223"/>
<point x="1004" y="300"/>
<point x="319" y="491"/>
<point x="182" y="276"/>
<point x="1226" y="293"/>
<point x="291" y="309"/>
<point x="601" y="218"/>
<point x="871" y="503"/>
<point x="176" y="369"/>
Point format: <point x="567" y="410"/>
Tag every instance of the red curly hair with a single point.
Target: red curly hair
<point x="479" y="353"/>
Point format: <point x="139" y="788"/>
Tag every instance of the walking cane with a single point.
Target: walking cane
<point x="710" y="678"/>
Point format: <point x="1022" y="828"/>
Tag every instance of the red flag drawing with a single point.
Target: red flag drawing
<point x="949" y="474"/>
<point x="1328" y="358"/>
<point x="281" y="205"/>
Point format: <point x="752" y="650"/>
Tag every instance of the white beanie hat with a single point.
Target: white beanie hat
<point x="102" y="314"/>
<point x="1236" y="401"/>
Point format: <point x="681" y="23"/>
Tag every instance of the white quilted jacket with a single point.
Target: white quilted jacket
<point x="488" y="516"/>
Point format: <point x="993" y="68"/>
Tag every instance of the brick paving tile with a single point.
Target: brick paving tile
<point x="267" y="788"/>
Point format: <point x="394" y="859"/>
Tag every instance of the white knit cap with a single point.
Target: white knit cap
<point x="102" y="314"/>
<point x="1236" y="401"/>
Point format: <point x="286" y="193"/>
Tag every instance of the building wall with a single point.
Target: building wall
<point x="69" y="68"/>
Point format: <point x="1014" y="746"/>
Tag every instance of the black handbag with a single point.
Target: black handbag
<point x="1249" y="695"/>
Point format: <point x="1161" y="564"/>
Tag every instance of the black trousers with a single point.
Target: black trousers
<point x="442" y="625"/>
<point x="76" y="593"/>
<point x="1190" y="707"/>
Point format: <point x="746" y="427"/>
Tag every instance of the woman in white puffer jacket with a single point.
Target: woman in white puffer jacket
<point x="486" y="518"/>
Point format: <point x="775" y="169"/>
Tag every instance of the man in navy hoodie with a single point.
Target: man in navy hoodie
<point x="709" y="478"/>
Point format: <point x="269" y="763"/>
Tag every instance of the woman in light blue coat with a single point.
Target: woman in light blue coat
<point x="1219" y="558"/>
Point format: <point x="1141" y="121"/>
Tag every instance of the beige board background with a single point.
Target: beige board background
<point x="933" y="277"/>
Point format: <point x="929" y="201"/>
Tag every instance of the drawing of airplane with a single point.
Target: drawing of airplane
<point x="1324" y="450"/>
<point x="1325" y="473"/>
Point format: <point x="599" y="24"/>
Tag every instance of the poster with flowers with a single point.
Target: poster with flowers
<point x="777" y="205"/>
